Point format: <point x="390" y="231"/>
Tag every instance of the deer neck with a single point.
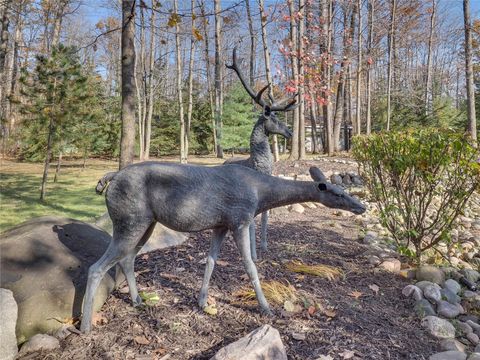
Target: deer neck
<point x="261" y="156"/>
<point x="280" y="192"/>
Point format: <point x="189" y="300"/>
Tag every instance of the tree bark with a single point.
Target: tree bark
<point x="218" y="79"/>
<point x="294" y="63"/>
<point x="390" y="60"/>
<point x="178" y="63"/>
<point x="51" y="130"/>
<point x="371" y="10"/>
<point x="428" y="82"/>
<point x="57" y="169"/>
<point x="148" y="125"/>
<point x="190" y="82"/>
<point x="358" y="123"/>
<point x="5" y="20"/>
<point x="472" y="121"/>
<point x="127" y="143"/>
<point x="301" y="80"/>
<point x="327" y="32"/>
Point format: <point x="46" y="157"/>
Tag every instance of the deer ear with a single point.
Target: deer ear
<point x="322" y="186"/>
<point x="317" y="174"/>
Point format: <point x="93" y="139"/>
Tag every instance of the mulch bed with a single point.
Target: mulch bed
<point x="374" y="325"/>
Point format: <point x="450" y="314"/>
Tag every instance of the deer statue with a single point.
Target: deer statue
<point x="191" y="198"/>
<point x="261" y="157"/>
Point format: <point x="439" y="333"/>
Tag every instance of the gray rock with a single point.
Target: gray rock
<point x="452" y="345"/>
<point x="449" y="355"/>
<point x="424" y="308"/>
<point x="451" y="297"/>
<point x="430" y="273"/>
<point x="450" y="311"/>
<point x="347" y="180"/>
<point x="357" y="180"/>
<point x="39" y="342"/>
<point x="474" y="356"/>
<point x="477" y="349"/>
<point x="297" y="208"/>
<point x="392" y="265"/>
<point x="413" y="291"/>
<point x="161" y="237"/>
<point x="8" y="319"/>
<point x="374" y="260"/>
<point x="473" y="338"/>
<point x="423" y="284"/>
<point x="438" y="327"/>
<point x="463" y="328"/>
<point x="263" y="343"/>
<point x="474" y="325"/>
<point x="467" y="294"/>
<point x="45" y="264"/>
<point x="471" y="275"/>
<point x="371" y="237"/>
<point x="432" y="293"/>
<point x="336" y="179"/>
<point x="453" y="286"/>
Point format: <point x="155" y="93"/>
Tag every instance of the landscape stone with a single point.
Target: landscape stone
<point x="467" y="294"/>
<point x="450" y="296"/>
<point x="474" y="356"/>
<point x="473" y="338"/>
<point x="423" y="284"/>
<point x="430" y="273"/>
<point x="474" y="325"/>
<point x="45" y="264"/>
<point x="336" y="179"/>
<point x="374" y="260"/>
<point x="298" y="208"/>
<point x="424" y="308"/>
<point x="450" y="311"/>
<point x="438" y="327"/>
<point x="452" y="345"/>
<point x="39" y="342"/>
<point x="477" y="349"/>
<point x="263" y="343"/>
<point x="413" y="291"/>
<point x="8" y="320"/>
<point x="391" y="264"/>
<point x="432" y="293"/>
<point x="449" y="355"/>
<point x="347" y="180"/>
<point x="463" y="328"/>
<point x="471" y="275"/>
<point x="453" y="286"/>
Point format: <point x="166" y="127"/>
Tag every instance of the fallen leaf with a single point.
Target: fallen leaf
<point x="141" y="340"/>
<point x="190" y="258"/>
<point x="210" y="310"/>
<point x="222" y="263"/>
<point x="300" y="336"/>
<point x="356" y="294"/>
<point x="347" y="354"/>
<point x="244" y="277"/>
<point x="331" y="313"/>
<point x="211" y="300"/>
<point x="150" y="298"/>
<point x="98" y="319"/>
<point x="325" y="357"/>
<point x="288" y="306"/>
<point x="311" y="310"/>
<point x="375" y="288"/>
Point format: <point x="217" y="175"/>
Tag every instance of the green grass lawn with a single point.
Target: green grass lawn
<point x="73" y="195"/>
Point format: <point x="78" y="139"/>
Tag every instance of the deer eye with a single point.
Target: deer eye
<point x="322" y="187"/>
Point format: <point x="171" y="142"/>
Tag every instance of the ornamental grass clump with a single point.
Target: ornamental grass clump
<point x="421" y="181"/>
<point x="324" y="271"/>
<point x="275" y="292"/>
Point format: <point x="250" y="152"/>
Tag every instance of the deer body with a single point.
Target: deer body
<point x="191" y="198"/>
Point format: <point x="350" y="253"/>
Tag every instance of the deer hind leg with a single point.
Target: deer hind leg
<point x="127" y="266"/>
<point x="253" y="241"/>
<point x="122" y="245"/>
<point x="242" y="240"/>
<point x="215" y="245"/>
<point x="264" y="229"/>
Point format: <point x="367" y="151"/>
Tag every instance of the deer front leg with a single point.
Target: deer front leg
<point x="253" y="242"/>
<point x="263" y="243"/>
<point x="242" y="240"/>
<point x="217" y="239"/>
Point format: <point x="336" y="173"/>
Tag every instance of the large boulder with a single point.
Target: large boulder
<point x="263" y="343"/>
<point x="45" y="262"/>
<point x="8" y="320"/>
<point x="161" y="237"/>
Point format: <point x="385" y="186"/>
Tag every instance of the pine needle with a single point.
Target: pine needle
<point x="275" y="292"/>
<point x="325" y="271"/>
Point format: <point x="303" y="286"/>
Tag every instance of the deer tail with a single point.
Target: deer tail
<point x="104" y="181"/>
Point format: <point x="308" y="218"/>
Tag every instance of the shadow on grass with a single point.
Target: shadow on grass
<point x="69" y="197"/>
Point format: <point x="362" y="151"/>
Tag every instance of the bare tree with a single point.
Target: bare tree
<point x="301" y="79"/>
<point x="148" y="124"/>
<point x="190" y="81"/>
<point x="294" y="63"/>
<point x="358" y="123"/>
<point x="218" y="78"/>
<point x="327" y="19"/>
<point x="428" y="82"/>
<point x="371" y="10"/>
<point x="127" y="143"/>
<point x="472" y="121"/>
<point x="178" y="63"/>
<point x="391" y="40"/>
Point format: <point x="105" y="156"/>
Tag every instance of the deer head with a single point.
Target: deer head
<point x="271" y="122"/>
<point x="334" y="196"/>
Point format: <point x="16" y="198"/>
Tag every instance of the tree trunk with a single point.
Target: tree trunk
<point x="472" y="121"/>
<point x="148" y="125"/>
<point x="51" y="130"/>
<point x="313" y="120"/>
<point x="327" y="11"/>
<point x="178" y="63"/>
<point x="371" y="9"/>
<point x="301" y="80"/>
<point x="139" y="64"/>
<point x="390" y="60"/>
<point x="358" y="123"/>
<point x="218" y="79"/>
<point x="253" y="47"/>
<point x="428" y="82"/>
<point x="268" y="71"/>
<point x="190" y="81"/>
<point x="294" y="59"/>
<point x="127" y="144"/>
<point x="57" y="169"/>
<point x="5" y="20"/>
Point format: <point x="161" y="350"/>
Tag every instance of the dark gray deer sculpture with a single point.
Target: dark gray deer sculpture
<point x="192" y="198"/>
<point x="261" y="157"/>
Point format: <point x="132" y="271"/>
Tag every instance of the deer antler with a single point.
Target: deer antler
<point x="257" y="97"/>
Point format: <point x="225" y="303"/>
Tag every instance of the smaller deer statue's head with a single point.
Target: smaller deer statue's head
<point x="334" y="196"/>
<point x="272" y="124"/>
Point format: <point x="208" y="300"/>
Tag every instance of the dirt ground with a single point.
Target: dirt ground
<point x="374" y="325"/>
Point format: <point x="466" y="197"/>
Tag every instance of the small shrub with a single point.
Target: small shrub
<point x="421" y="181"/>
